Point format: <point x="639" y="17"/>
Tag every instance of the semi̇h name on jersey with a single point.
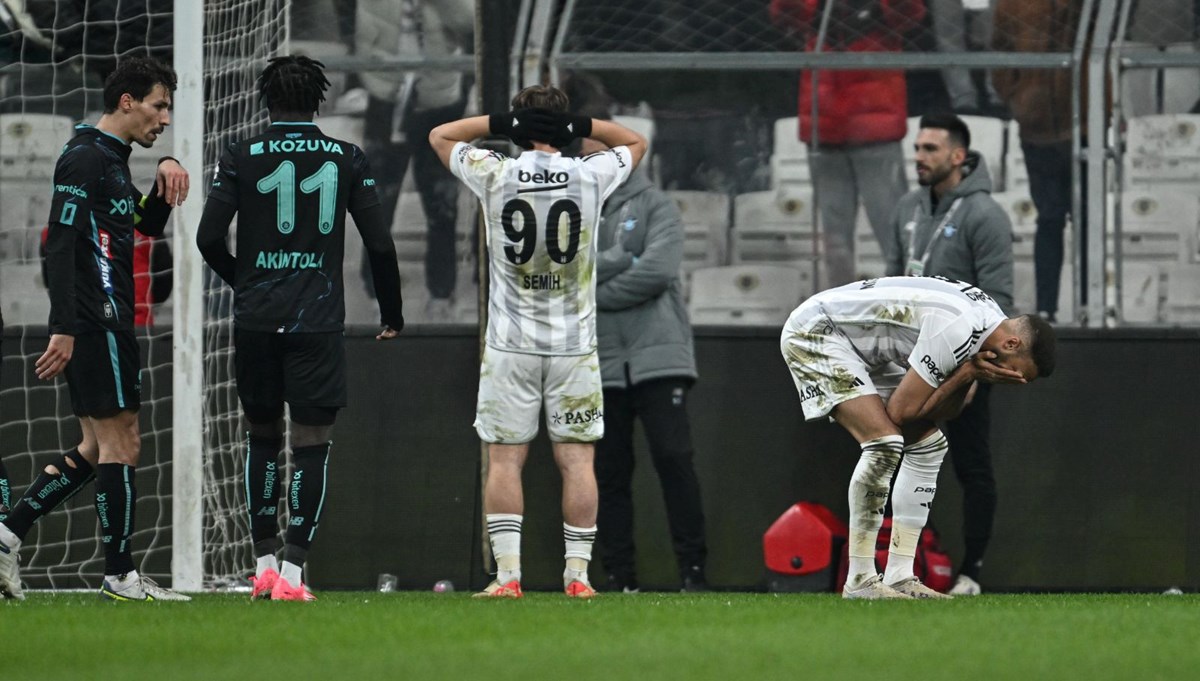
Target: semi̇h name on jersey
<point x="541" y="282"/>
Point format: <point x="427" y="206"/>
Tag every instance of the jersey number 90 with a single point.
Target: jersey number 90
<point x="523" y="239"/>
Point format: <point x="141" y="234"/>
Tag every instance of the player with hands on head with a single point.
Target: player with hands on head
<point x="888" y="359"/>
<point x="541" y="212"/>
<point x="89" y="262"/>
<point x="292" y="187"/>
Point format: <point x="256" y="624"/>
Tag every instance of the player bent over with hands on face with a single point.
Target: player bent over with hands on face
<point x="93" y="214"/>
<point x="888" y="358"/>
<point x="292" y="186"/>
<point x="541" y="211"/>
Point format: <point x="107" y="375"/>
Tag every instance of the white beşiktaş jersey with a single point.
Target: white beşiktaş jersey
<point x="929" y="324"/>
<point x="541" y="212"/>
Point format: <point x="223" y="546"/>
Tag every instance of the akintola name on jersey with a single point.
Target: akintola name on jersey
<point x="542" y="211"/>
<point x="929" y="324"/>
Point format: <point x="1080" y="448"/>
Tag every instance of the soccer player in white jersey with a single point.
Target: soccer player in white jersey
<point x="887" y="359"/>
<point x="542" y="211"/>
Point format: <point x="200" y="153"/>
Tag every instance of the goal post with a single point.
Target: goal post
<point x="187" y="443"/>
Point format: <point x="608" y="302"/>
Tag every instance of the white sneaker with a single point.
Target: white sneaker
<point x="135" y="588"/>
<point x="872" y="589"/>
<point x="10" y="570"/>
<point x="914" y="588"/>
<point x="965" y="586"/>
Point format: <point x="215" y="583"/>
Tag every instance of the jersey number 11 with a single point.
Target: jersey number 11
<point x="283" y="181"/>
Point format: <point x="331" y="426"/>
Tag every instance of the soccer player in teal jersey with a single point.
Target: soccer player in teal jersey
<point x="291" y="188"/>
<point x="93" y="214"/>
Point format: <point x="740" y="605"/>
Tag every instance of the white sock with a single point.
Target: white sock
<point x="121" y="582"/>
<point x="8" y="538"/>
<point x="294" y="574"/>
<point x="504" y="532"/>
<point x="264" y="563"/>
<point x="868" y="497"/>
<point x="901" y="552"/>
<point x="579" y="542"/>
<point x="912" y="498"/>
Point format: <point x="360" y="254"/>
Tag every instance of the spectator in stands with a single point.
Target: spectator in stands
<point x="1040" y="100"/>
<point x="951" y="227"/>
<point x="959" y="25"/>
<point x="647" y="367"/>
<point x="403" y="107"/>
<point x="863" y="117"/>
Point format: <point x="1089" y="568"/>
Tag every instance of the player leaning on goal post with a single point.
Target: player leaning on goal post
<point x="541" y="212"/>
<point x="93" y="213"/>
<point x="292" y="186"/>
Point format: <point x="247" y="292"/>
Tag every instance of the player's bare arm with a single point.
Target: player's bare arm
<point x="615" y="135"/>
<point x="916" y="400"/>
<point x="445" y="136"/>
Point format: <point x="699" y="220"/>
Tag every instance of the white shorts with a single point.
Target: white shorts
<point x="513" y="387"/>
<point x="827" y="371"/>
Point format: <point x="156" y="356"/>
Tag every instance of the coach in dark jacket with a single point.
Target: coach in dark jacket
<point x="647" y="364"/>
<point x="952" y="227"/>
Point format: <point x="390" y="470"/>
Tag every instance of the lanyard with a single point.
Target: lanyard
<point x="916" y="268"/>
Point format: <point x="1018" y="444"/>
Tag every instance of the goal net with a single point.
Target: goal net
<point x="53" y="59"/>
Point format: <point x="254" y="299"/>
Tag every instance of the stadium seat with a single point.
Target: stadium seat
<point x="1016" y="175"/>
<point x="343" y="127"/>
<point x="747" y="295"/>
<point x="1165" y="136"/>
<point x="706" y="227"/>
<point x="789" y="158"/>
<point x="1023" y="215"/>
<point x="25" y="299"/>
<point x="1183" y="294"/>
<point x="1157" y="224"/>
<point x="987" y="137"/>
<point x="26" y="204"/>
<point x="1180" y="86"/>
<point x="1025" y="290"/>
<point x="1139" y="87"/>
<point x="770" y="226"/>
<point x="30" y="143"/>
<point x="1142" y="291"/>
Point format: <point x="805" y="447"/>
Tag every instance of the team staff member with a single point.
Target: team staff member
<point x="647" y="366"/>
<point x="93" y="214"/>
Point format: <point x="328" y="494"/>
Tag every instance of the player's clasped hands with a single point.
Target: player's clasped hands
<point x="988" y="372"/>
<point x="523" y="125"/>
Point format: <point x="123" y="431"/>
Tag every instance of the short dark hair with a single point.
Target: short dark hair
<point x="960" y="134"/>
<point x="1042" y="343"/>
<point x="293" y="84"/>
<point x="542" y="97"/>
<point x="136" y="76"/>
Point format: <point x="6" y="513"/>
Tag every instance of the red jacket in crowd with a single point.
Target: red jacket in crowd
<point x="856" y="107"/>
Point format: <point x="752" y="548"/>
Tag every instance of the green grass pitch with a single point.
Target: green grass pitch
<point x="357" y="635"/>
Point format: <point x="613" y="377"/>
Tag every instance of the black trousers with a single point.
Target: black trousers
<point x="437" y="186"/>
<point x="662" y="406"/>
<point x="969" y="436"/>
